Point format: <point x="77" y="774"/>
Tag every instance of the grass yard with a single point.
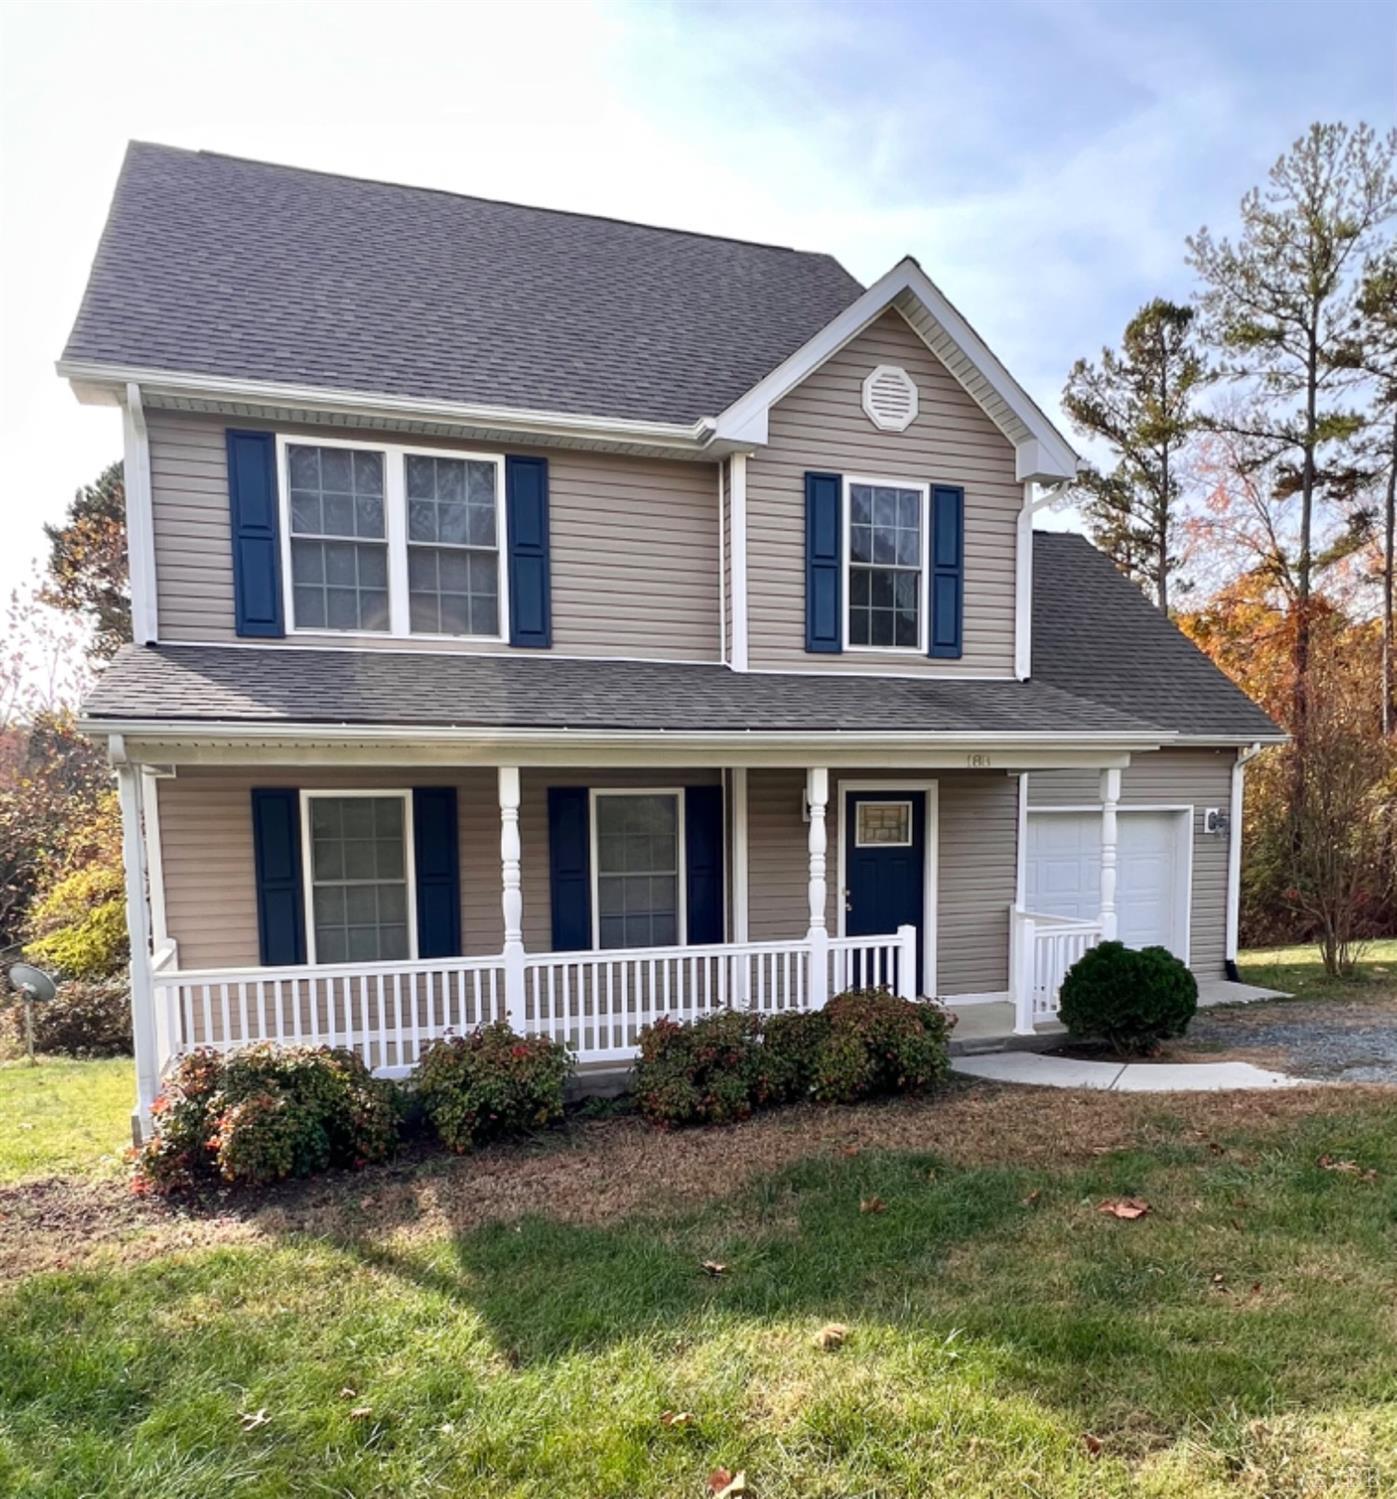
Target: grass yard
<point x="64" y="1117"/>
<point x="1298" y="971"/>
<point x="519" y="1323"/>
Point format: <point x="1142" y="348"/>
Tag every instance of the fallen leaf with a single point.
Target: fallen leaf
<point x="676" y="1418"/>
<point x="25" y="1124"/>
<point x="715" y="1267"/>
<point x="831" y="1335"/>
<point x="1348" y="1168"/>
<point x="361" y="1413"/>
<point x="725" y="1485"/>
<point x="1128" y="1208"/>
<point x="1219" y="1279"/>
<point x="872" y="1205"/>
<point x="1032" y="1197"/>
<point x="253" y="1419"/>
<point x="1092" y="1444"/>
<point x="348" y="1394"/>
<point x="931" y="1176"/>
<point x="849" y="1150"/>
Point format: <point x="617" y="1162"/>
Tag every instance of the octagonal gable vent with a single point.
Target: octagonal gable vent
<point x="890" y="398"/>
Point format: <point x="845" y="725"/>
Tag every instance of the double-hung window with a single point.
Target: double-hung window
<point x="391" y="540"/>
<point x="357" y="851"/>
<point x="886" y="567"/>
<point x="638" y="863"/>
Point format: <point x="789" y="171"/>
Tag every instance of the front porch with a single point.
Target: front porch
<point x="788" y="869"/>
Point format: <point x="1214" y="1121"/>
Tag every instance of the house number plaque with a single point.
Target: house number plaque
<point x="976" y="761"/>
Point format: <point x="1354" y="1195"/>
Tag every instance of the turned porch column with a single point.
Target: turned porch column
<point x="1110" y="797"/>
<point x="817" y="799"/>
<point x="512" y="896"/>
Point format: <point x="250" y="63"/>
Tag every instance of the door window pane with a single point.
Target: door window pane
<point x="358" y="866"/>
<point x="883" y="824"/>
<point x="638" y="870"/>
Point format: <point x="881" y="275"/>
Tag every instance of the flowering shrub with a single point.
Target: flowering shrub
<point x="879" y="1044"/>
<point x="265" y="1113"/>
<point x="491" y="1082"/>
<point x="862" y="1044"/>
<point x="708" y="1072"/>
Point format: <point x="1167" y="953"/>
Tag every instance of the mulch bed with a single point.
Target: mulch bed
<point x="601" y="1172"/>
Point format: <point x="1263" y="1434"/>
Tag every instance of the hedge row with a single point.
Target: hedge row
<point x="865" y="1043"/>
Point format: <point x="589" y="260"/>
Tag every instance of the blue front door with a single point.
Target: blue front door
<point x="885" y="864"/>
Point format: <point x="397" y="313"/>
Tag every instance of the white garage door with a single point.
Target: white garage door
<point x="1063" y="873"/>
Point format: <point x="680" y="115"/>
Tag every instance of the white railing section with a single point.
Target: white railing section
<point x="387" y="1012"/>
<point x="596" y="1003"/>
<point x="1043" y="948"/>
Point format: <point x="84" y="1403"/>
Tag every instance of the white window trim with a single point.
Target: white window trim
<point x="395" y="456"/>
<point x="906" y="842"/>
<point x="924" y="490"/>
<point x="308" y="867"/>
<point x="594" y="795"/>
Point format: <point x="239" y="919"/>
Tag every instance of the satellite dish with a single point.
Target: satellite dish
<point x="33" y="983"/>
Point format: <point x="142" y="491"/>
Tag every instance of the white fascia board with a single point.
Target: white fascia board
<point x="95" y="384"/>
<point x="1045" y="456"/>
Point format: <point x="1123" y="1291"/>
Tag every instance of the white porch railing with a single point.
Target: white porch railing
<point x="596" y="1003"/>
<point x="1043" y="948"/>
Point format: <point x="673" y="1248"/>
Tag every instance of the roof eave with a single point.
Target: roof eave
<point x="96" y="383"/>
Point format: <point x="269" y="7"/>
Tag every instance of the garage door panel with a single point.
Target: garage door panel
<point x="1063" y="873"/>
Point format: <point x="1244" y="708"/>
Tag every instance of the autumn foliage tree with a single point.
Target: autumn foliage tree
<point x="87" y="566"/>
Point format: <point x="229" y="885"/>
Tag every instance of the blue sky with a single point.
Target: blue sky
<point x="1043" y="161"/>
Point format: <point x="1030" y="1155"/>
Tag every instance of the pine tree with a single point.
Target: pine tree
<point x="1139" y="400"/>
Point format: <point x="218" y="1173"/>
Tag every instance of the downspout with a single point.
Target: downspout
<point x="1234" y="861"/>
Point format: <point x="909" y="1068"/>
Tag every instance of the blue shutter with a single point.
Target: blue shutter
<point x="526" y="505"/>
<point x="256" y="530"/>
<point x="824" y="562"/>
<point x="947" y="569"/>
<point x="570" y="868"/>
<point x="276" y="844"/>
<point x="434" y="849"/>
<point x="703" y="862"/>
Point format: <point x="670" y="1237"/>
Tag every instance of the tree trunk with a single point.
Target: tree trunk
<point x="1389" y="626"/>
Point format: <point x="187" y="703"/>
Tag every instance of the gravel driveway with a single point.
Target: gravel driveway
<point x="1351" y="1041"/>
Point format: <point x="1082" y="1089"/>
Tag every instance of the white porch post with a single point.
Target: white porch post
<point x="742" y="975"/>
<point x="512" y="896"/>
<point x="145" y="1043"/>
<point x="817" y="798"/>
<point x="1110" y="797"/>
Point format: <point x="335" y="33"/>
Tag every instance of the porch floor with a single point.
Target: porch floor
<point x="990" y="1026"/>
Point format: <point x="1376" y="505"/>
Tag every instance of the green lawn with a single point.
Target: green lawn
<point x="1298" y="971"/>
<point x="1239" y="1340"/>
<point x="64" y="1117"/>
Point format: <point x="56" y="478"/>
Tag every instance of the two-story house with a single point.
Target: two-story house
<point x="547" y="617"/>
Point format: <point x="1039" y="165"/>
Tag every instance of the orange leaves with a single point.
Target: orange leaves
<point x="725" y="1485"/>
<point x="872" y="1205"/>
<point x="1126" y="1208"/>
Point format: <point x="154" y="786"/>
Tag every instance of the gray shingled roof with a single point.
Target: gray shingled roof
<point x="1104" y="661"/>
<point x="287" y="685"/>
<point x="214" y="265"/>
<point x="1097" y="635"/>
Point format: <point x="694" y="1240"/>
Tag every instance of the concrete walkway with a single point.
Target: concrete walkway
<point x="1121" y="1077"/>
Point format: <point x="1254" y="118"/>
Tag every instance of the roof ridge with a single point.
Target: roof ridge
<point x="446" y="192"/>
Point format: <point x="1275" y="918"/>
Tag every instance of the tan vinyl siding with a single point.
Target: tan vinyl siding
<point x="976" y="869"/>
<point x="634" y="553"/>
<point x="1200" y="778"/>
<point x="206" y="848"/>
<point x="821" y="425"/>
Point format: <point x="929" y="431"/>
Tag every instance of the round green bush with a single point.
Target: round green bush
<point x="878" y="1044"/>
<point x="491" y="1082"/>
<point x="791" y="1043"/>
<point x="1131" y="999"/>
<point x="266" y="1112"/>
<point x="707" y="1072"/>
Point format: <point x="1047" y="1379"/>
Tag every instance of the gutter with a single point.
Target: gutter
<point x="106" y="384"/>
<point x="1234" y="856"/>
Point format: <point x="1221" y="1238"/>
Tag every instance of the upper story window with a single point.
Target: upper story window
<point x="394" y="540"/>
<point x="339" y="549"/>
<point x="887" y="564"/>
